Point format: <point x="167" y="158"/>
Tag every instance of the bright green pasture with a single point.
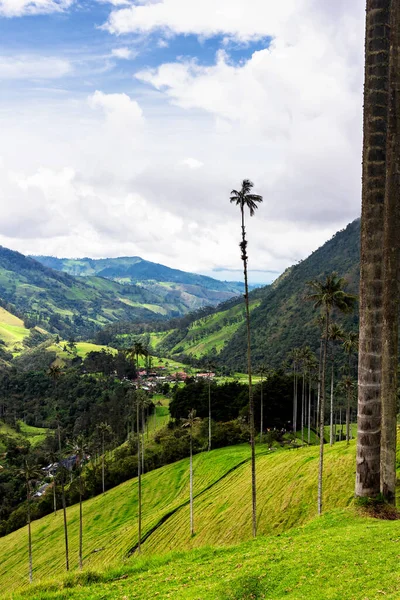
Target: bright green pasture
<point x="287" y="493"/>
<point x="110" y="520"/>
<point x="12" y="330"/>
<point x="35" y="435"/>
<point x="340" y="555"/>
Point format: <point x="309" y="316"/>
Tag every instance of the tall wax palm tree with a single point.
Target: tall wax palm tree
<point x="52" y="456"/>
<point x="29" y="472"/>
<point x="335" y="334"/>
<point x="137" y="350"/>
<point x="189" y="423"/>
<point x="376" y="99"/>
<point x="263" y="372"/>
<point x="104" y="431"/>
<point x="295" y="357"/>
<point x="311" y="370"/>
<point x="79" y="448"/>
<point x="305" y="355"/>
<point x="61" y="470"/>
<point x="347" y="386"/>
<point x="320" y="321"/>
<point x="139" y="398"/>
<point x="350" y="347"/>
<point x="244" y="198"/>
<point x="210" y="368"/>
<point x="391" y="275"/>
<point x="55" y="373"/>
<point x="327" y="295"/>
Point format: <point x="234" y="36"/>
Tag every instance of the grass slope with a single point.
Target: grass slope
<point x="207" y="334"/>
<point x="339" y="555"/>
<point x="35" y="435"/>
<point x="12" y="330"/>
<point x="287" y="486"/>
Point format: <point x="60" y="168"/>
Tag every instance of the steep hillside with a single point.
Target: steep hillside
<point x="182" y="290"/>
<point x="287" y="491"/>
<point x="207" y="335"/>
<point x="12" y="331"/>
<point x="325" y="559"/>
<point x="284" y="319"/>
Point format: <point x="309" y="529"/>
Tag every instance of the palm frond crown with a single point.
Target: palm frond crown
<point x="244" y="198"/>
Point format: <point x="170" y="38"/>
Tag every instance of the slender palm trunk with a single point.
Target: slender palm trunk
<point x="191" y="484"/>
<point x="372" y="242"/>
<point x="139" y="480"/>
<point x="309" y="410"/>
<point x="348" y="416"/>
<point x="80" y="519"/>
<point x="143" y="427"/>
<point x="102" y="464"/>
<point x="303" y="396"/>
<point x="54" y="495"/>
<point x="331" y="419"/>
<point x="319" y="383"/>
<point x="261" y="412"/>
<point x="294" y="399"/>
<point x="209" y="413"/>
<point x="390" y="349"/>
<point x="64" y="504"/>
<point x="28" y="497"/>
<point x="322" y="413"/>
<point x="251" y="400"/>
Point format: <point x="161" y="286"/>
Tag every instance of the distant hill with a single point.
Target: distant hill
<point x="80" y="305"/>
<point x="281" y="318"/>
<point x="134" y="269"/>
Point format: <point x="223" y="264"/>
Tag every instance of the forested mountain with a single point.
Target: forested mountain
<point x="79" y="306"/>
<point x="284" y="319"/>
<point x="281" y="318"/>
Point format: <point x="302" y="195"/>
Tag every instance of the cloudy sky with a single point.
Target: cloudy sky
<point x="125" y="124"/>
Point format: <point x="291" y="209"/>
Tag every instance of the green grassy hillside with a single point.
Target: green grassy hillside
<point x="287" y="484"/>
<point x="12" y="330"/>
<point x="206" y="335"/>
<point x="339" y="555"/>
<point x="35" y="435"/>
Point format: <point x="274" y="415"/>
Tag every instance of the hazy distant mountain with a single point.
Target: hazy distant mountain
<point x="77" y="305"/>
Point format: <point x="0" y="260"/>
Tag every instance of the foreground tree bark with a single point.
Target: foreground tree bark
<point x="371" y="276"/>
<point x="391" y="269"/>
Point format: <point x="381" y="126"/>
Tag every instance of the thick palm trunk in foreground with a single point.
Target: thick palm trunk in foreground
<point x="391" y="270"/>
<point x="371" y="277"/>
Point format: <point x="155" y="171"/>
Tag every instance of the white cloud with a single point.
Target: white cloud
<point x="123" y="53"/>
<point x="31" y="67"/>
<point x="192" y="163"/>
<point x="19" y="8"/>
<point x="241" y="19"/>
<point x="118" y="174"/>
